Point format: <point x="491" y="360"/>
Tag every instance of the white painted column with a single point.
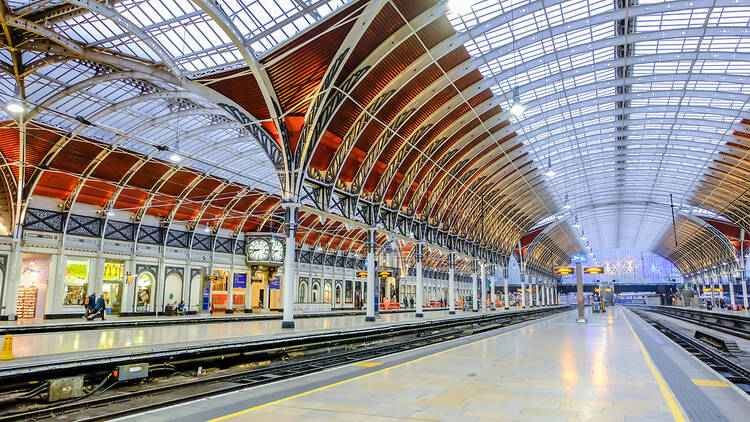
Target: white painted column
<point x="370" y="314"/>
<point x="451" y="283"/>
<point x="483" y="285"/>
<point x="493" y="297"/>
<point x="523" y="292"/>
<point x="420" y="280"/>
<point x="713" y="295"/>
<point x="291" y="218"/>
<point x="474" y="304"/>
<point x="506" y="302"/>
<point x="730" y="279"/>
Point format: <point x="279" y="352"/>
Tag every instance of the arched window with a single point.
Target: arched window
<point x="302" y="292"/>
<point x="327" y="293"/>
<point x="338" y="294"/>
<point x="315" y="292"/>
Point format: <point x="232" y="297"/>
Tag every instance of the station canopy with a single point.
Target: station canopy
<point x="553" y="127"/>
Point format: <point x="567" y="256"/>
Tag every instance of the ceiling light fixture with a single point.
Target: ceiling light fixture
<point x="15" y="106"/>
<point x="549" y="173"/>
<point x="517" y="108"/>
<point x="207" y="228"/>
<point x="575" y="223"/>
<point x="460" y="7"/>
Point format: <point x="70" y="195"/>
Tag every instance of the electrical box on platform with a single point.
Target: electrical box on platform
<point x="131" y="372"/>
<point x="65" y="388"/>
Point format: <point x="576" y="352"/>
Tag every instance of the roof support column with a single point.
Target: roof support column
<point x="291" y="220"/>
<point x="713" y="288"/>
<point x="492" y="288"/>
<point x="742" y="269"/>
<point x="483" y="285"/>
<point x="371" y="285"/>
<point x="419" y="254"/>
<point x="452" y="283"/>
<point x="730" y="280"/>
<point x="474" y="304"/>
<point x="523" y="290"/>
<point x="506" y="298"/>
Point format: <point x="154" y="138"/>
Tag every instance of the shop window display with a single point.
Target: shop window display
<point x="32" y="291"/>
<point x="76" y="281"/>
<point x="144" y="292"/>
<point x="219" y="283"/>
<point x="112" y="286"/>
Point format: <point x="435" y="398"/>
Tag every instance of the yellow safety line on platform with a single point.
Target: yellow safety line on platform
<point x="368" y="364"/>
<point x="325" y="387"/>
<point x="663" y="387"/>
<point x="710" y="383"/>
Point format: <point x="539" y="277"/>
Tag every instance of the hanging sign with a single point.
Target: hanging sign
<point x="563" y="271"/>
<point x="578" y="257"/>
<point x="274" y="284"/>
<point x="384" y="274"/>
<point x="593" y="270"/>
<point x="239" y="281"/>
<point x="362" y="274"/>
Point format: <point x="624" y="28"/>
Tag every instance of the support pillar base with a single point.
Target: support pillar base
<point x="475" y="310"/>
<point x="451" y="312"/>
<point x="287" y="324"/>
<point x="370" y="319"/>
<point x="581" y="320"/>
<point x="420" y="315"/>
<point x="493" y="309"/>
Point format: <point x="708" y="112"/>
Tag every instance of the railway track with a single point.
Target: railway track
<point x="736" y="374"/>
<point x="736" y="325"/>
<point x="109" y="400"/>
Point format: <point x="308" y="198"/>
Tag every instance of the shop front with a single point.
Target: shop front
<point x="219" y="292"/>
<point x="144" y="292"/>
<point x="239" y="292"/>
<point x="77" y="272"/>
<point x="266" y="288"/>
<point x="32" y="290"/>
<point x="113" y="282"/>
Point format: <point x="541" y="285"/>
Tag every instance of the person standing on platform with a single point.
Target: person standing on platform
<point x="88" y="304"/>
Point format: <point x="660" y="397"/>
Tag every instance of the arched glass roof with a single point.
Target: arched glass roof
<point x="634" y="105"/>
<point x="628" y="101"/>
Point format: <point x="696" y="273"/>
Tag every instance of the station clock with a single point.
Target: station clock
<point x="277" y="250"/>
<point x="258" y="250"/>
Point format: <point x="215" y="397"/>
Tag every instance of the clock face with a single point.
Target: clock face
<point x="257" y="250"/>
<point x="277" y="250"/>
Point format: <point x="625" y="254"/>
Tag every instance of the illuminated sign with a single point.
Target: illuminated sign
<point x="578" y="257"/>
<point x="564" y="271"/>
<point x="362" y="274"/>
<point x="384" y="274"/>
<point x="593" y="270"/>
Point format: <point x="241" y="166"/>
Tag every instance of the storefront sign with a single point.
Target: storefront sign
<point x="563" y="271"/>
<point x="362" y="274"/>
<point x="274" y="284"/>
<point x="593" y="270"/>
<point x="239" y="281"/>
<point x="384" y="274"/>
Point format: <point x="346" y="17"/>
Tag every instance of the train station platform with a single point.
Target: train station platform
<point x="79" y="324"/>
<point x="613" y="368"/>
<point x="60" y="350"/>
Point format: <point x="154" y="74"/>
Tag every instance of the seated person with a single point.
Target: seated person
<point x="181" y="309"/>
